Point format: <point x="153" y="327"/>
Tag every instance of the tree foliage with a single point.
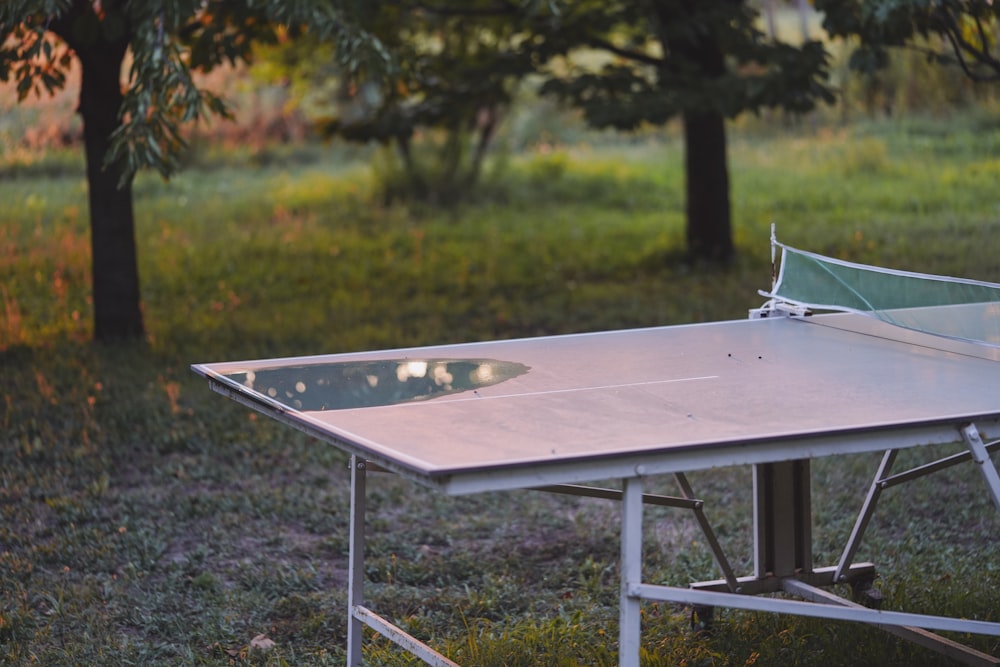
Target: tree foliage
<point x="961" y="32"/>
<point x="168" y="43"/>
<point x="458" y="68"/>
<point x="658" y="67"/>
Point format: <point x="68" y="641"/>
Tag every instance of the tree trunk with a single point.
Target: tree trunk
<point x="117" y="310"/>
<point x="709" y="227"/>
<point x="709" y="230"/>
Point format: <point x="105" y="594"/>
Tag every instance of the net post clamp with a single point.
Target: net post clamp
<point x="778" y="308"/>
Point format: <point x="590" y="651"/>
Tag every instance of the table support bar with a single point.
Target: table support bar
<point x="934" y="466"/>
<point x="395" y="634"/>
<point x="925" y="638"/>
<point x="706" y="529"/>
<point x="864" y="517"/>
<point x="800" y="608"/>
<point x="981" y="455"/>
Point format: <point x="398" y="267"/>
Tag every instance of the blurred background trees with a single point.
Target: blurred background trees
<point x="962" y="33"/>
<point x="448" y="89"/>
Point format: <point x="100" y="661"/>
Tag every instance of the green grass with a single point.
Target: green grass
<point x="148" y="521"/>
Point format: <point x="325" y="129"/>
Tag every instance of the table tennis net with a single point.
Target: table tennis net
<point x="957" y="308"/>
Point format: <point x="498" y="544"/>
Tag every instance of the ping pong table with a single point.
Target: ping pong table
<point x="773" y="391"/>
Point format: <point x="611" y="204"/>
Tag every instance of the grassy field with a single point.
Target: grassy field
<point x="147" y="521"/>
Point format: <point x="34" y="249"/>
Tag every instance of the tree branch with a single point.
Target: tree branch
<point x="962" y="48"/>
<point x="502" y="8"/>
<point x="637" y="56"/>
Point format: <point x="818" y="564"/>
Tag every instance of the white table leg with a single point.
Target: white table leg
<point x="356" y="562"/>
<point x="982" y="457"/>
<point x="630" y="629"/>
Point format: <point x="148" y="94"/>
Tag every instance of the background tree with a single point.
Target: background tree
<point x="960" y="32"/>
<point x="460" y="65"/>
<point x="702" y="60"/>
<point x="137" y="122"/>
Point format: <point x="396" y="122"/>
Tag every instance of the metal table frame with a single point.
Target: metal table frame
<point x="782" y="558"/>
